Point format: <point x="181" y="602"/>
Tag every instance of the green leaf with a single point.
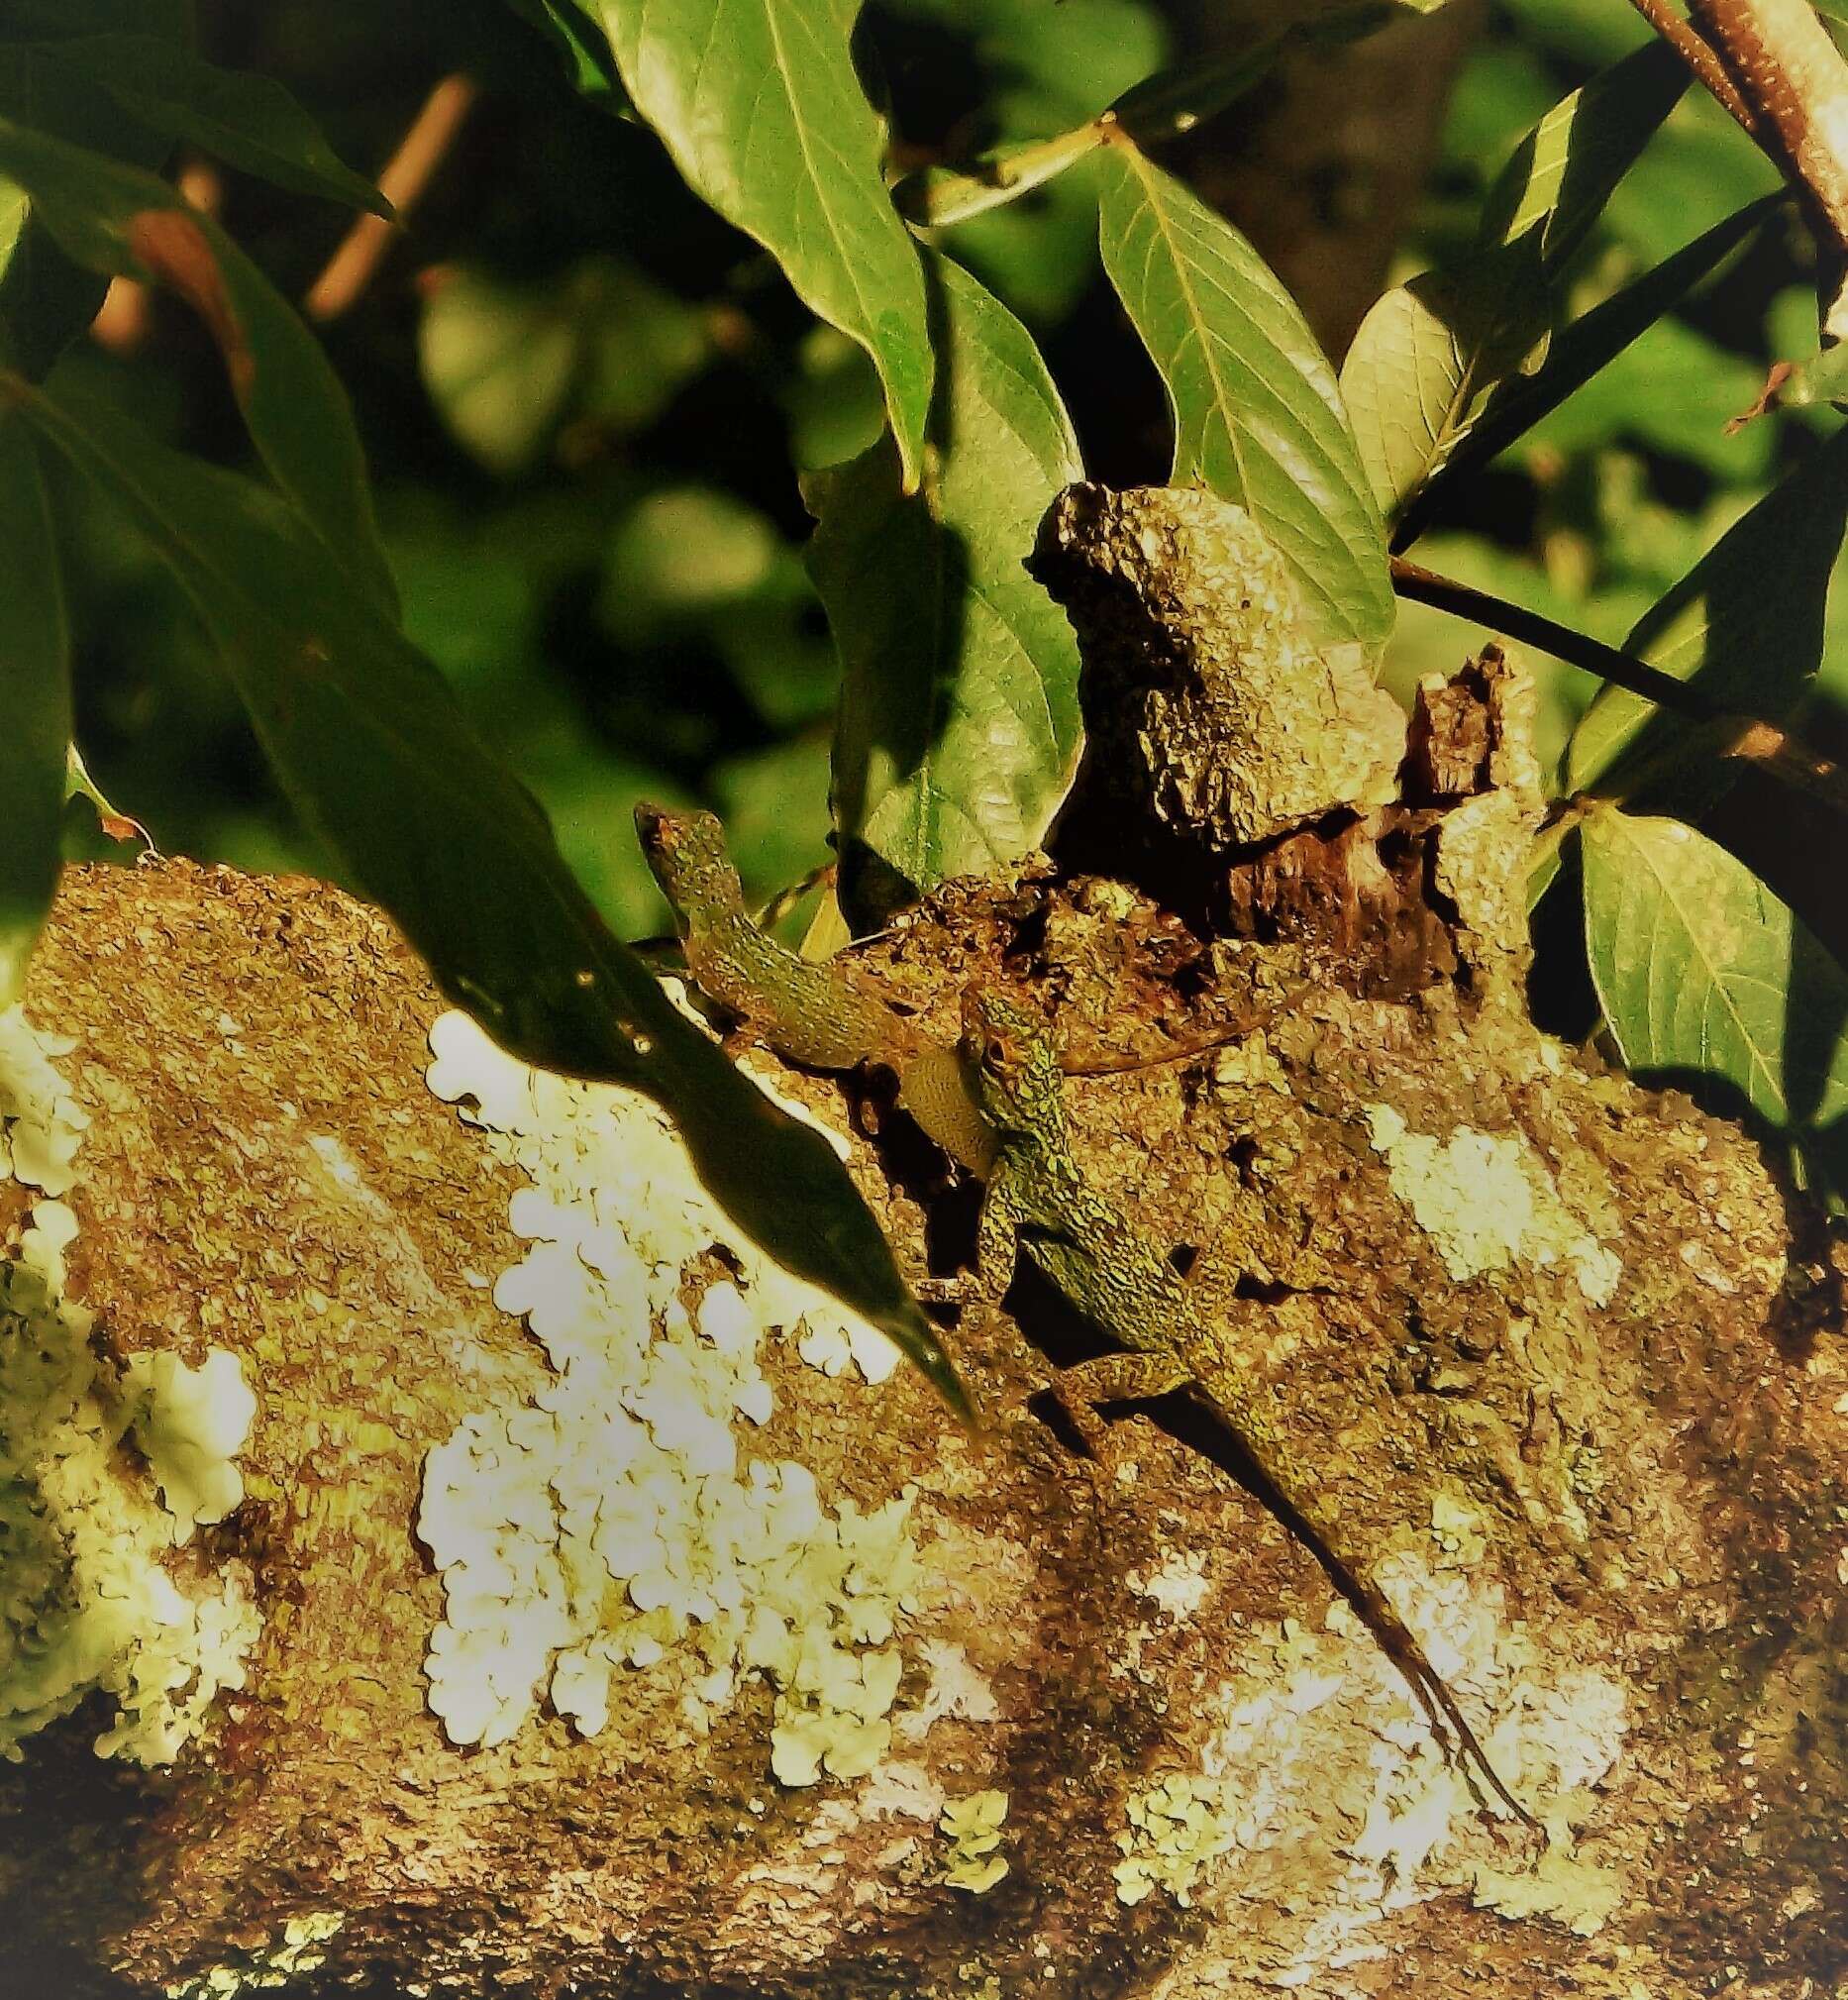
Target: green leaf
<point x="1521" y="401"/>
<point x="35" y="705"/>
<point x="1418" y="374"/>
<point x="757" y="102"/>
<point x="1564" y="171"/>
<point x="1706" y="978"/>
<point x="507" y="363"/>
<point x="959" y="724"/>
<point x="249" y="122"/>
<point x="46" y="299"/>
<point x="1430" y="353"/>
<point x="118" y="220"/>
<point x="369" y="745"/>
<point x="936" y="196"/>
<point x="1257" y="416"/>
<point x="581" y="44"/>
<point x="57" y="20"/>
<point x="1745" y="626"/>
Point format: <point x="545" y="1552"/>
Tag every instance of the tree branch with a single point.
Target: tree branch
<point x="1782" y="63"/>
<point x="1701" y="58"/>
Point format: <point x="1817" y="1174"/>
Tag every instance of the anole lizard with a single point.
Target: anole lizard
<point x="1173" y="1327"/>
<point x="818" y="1016"/>
<point x="997" y="1105"/>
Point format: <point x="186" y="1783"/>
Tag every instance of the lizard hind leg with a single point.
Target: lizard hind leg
<point x="1114" y="1378"/>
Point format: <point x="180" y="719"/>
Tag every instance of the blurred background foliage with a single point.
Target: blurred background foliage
<point x="588" y="405"/>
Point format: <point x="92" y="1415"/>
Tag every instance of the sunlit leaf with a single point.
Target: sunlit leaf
<point x="1745" y="625"/>
<point x="1706" y="978"/>
<point x="1562" y="172"/>
<point x="119" y="220"/>
<point x="249" y="122"/>
<point x="367" y="739"/>
<point x="1430" y="353"/>
<point x="1257" y="416"/>
<point x="958" y="725"/>
<point x="757" y="102"/>
<point x="35" y="705"/>
<point x="1572" y="357"/>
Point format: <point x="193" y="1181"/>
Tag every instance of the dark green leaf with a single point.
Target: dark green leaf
<point x="46" y="299"/>
<point x="1177" y="99"/>
<point x="958" y="725"/>
<point x="1257" y="416"/>
<point x="1745" y="626"/>
<point x="1562" y="172"/>
<point x="35" y="705"/>
<point x="1574" y="357"/>
<point x="757" y="102"/>
<point x="368" y="743"/>
<point x="1430" y="354"/>
<point x="1707" y="979"/>
<point x="249" y="122"/>
<point x="57" y="20"/>
<point x="580" y="42"/>
<point x="116" y="219"/>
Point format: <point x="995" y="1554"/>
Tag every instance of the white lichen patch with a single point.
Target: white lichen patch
<point x="1177" y="1828"/>
<point x="1487" y="1200"/>
<point x="614" y="1526"/>
<point x="1179" y="1584"/>
<point x="296" y="1951"/>
<point x="973" y="1826"/>
<point x="91" y="1596"/>
<point x="1575" y="1892"/>
<point x="1319" y="1750"/>
<point x="188" y="1422"/>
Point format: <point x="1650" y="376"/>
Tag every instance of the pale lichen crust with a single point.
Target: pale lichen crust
<point x="1278" y="1771"/>
<point x="102" y="1478"/>
<point x="1487" y="1200"/>
<point x="295" y="1951"/>
<point x="615" y="1525"/>
<point x="973" y="1826"/>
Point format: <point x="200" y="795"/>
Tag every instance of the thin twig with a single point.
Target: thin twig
<point x="1754" y="739"/>
<point x="407" y="173"/>
<point x="1700" y="56"/>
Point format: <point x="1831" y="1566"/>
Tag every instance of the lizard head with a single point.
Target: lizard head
<point x="685" y="852"/>
<point x="1008" y="1052"/>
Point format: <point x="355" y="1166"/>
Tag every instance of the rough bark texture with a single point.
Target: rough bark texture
<point x="1569" y="1385"/>
<point x="1322" y="166"/>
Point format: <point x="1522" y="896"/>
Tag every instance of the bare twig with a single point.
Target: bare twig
<point x="1700" y="56"/>
<point x="406" y="175"/>
<point x="1753" y="739"/>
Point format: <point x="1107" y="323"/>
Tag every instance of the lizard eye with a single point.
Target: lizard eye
<point x="996" y="1051"/>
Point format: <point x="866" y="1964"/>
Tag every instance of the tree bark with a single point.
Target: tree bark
<point x="1579" y="1388"/>
<point x="1322" y="166"/>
